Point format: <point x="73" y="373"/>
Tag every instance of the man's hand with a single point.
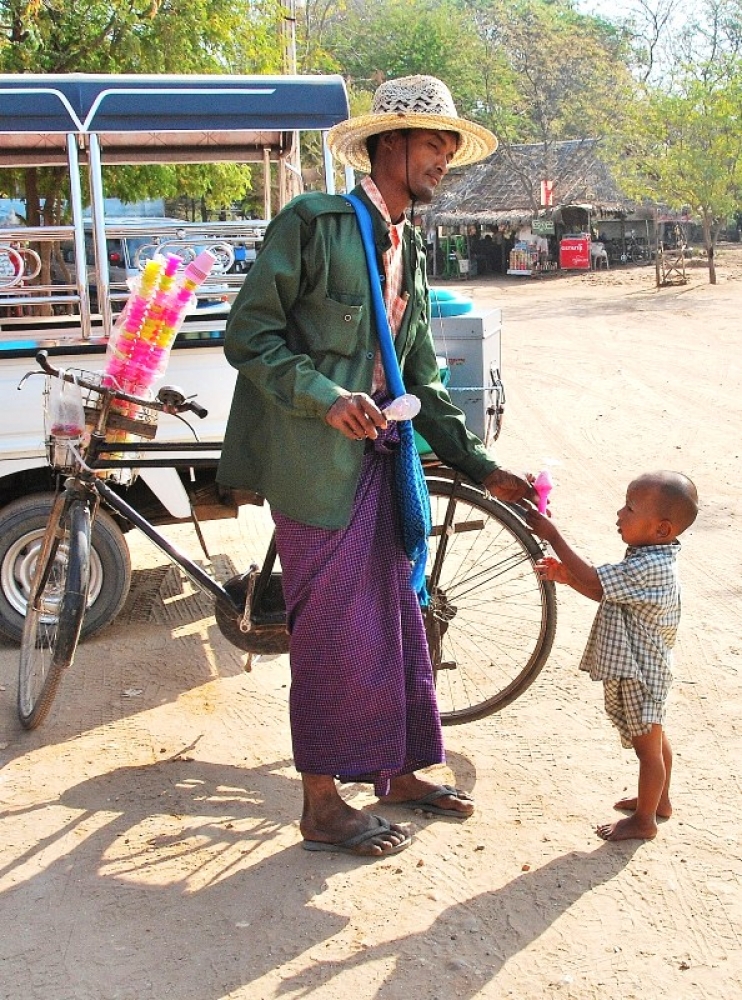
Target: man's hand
<point x="356" y="416"/>
<point x="510" y="487"/>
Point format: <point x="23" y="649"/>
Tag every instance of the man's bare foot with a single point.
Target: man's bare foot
<point x="630" y="828"/>
<point x="418" y="793"/>
<point x="664" y="809"/>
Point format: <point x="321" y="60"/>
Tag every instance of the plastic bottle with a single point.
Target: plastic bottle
<point x="402" y="408"/>
<point x="178" y="304"/>
<point x="194" y="275"/>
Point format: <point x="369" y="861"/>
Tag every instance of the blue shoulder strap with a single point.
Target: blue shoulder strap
<point x="412" y="490"/>
<point x="386" y="343"/>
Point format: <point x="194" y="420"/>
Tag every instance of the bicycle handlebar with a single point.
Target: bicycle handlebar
<point x="169" y="400"/>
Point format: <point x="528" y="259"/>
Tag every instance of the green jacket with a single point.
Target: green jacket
<point x="300" y="331"/>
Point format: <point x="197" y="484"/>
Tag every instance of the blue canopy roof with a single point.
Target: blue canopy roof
<point x="251" y="112"/>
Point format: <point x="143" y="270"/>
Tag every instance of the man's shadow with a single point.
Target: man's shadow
<point x="167" y="880"/>
<point x="468" y="944"/>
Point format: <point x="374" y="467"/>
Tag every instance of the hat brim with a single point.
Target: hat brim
<point x="347" y="140"/>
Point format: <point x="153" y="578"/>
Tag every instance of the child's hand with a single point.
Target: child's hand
<point x="540" y="524"/>
<point x="549" y="568"/>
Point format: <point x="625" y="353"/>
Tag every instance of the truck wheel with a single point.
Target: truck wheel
<point x="22" y="525"/>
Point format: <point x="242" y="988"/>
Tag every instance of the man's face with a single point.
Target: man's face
<point x="424" y="156"/>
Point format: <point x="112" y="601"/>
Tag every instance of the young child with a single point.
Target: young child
<point x="630" y="644"/>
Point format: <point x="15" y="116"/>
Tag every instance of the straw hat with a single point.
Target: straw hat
<point x="410" y="102"/>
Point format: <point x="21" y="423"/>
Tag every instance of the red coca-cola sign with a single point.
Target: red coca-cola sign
<point x="574" y="253"/>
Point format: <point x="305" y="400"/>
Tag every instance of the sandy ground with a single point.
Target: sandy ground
<point x="149" y="844"/>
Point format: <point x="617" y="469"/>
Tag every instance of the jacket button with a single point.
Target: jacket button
<point x="370" y="355"/>
<point x="347" y="317"/>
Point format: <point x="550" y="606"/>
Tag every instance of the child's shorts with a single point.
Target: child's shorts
<point x="631" y="710"/>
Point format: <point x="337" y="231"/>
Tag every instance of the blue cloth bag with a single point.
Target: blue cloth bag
<point x="412" y="490"/>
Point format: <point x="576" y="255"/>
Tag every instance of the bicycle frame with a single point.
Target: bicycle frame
<point x="190" y="568"/>
<point x="490" y="622"/>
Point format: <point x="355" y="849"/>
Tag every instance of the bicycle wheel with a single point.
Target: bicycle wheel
<point x="491" y="620"/>
<point x="23" y="524"/>
<point x="55" y="609"/>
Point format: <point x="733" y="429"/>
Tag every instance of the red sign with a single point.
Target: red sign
<point x="547" y="194"/>
<point x="574" y="253"/>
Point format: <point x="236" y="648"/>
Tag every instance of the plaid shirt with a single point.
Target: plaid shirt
<point x="635" y="628"/>
<point x="394" y="300"/>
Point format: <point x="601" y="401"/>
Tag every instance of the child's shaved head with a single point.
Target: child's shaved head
<point x="675" y="496"/>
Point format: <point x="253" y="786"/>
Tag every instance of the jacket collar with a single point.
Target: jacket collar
<point x="382" y="239"/>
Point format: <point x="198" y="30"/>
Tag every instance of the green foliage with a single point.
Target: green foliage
<point x="532" y="70"/>
<point x="683" y="146"/>
<point x="314" y="19"/>
<point x="394" y="38"/>
<point x="149" y="36"/>
<point x="145" y="36"/>
<point x="551" y="73"/>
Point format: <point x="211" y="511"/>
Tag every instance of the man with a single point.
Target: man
<point x="306" y="430"/>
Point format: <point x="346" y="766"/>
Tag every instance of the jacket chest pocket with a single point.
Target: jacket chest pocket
<point x="330" y="326"/>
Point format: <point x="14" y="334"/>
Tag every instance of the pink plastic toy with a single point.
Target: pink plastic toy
<point x="140" y="344"/>
<point x="178" y="302"/>
<point x="543" y="485"/>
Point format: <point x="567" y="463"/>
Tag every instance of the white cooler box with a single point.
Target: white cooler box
<point x="471" y="346"/>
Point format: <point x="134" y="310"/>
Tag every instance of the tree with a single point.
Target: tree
<point x="683" y="146"/>
<point x="314" y="21"/>
<point x="554" y="73"/>
<point x="143" y="36"/>
<point x="395" y="38"/>
<point x="151" y="36"/>
<point x="547" y="73"/>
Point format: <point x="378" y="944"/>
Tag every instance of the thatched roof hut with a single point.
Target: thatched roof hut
<point x="505" y="189"/>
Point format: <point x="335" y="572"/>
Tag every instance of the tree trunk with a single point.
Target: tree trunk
<point x="708" y="241"/>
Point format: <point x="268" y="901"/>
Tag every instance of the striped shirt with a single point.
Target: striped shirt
<point x="636" y="624"/>
<point x="393" y="262"/>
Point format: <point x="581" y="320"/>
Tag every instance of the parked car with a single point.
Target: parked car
<point x="127" y="255"/>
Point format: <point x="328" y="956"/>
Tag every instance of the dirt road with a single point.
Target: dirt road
<point x="149" y="845"/>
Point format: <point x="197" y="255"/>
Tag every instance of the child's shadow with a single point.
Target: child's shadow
<point x="470" y="942"/>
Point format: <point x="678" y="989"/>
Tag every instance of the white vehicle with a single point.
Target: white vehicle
<point x="84" y="124"/>
<point x="132" y="241"/>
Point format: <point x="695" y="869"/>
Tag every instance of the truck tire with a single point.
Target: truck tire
<point x="22" y="525"/>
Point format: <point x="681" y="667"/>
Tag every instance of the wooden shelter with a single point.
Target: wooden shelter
<point x="505" y="193"/>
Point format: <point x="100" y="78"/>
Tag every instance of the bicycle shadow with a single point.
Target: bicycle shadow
<point x="164" y="880"/>
<point x="164" y="643"/>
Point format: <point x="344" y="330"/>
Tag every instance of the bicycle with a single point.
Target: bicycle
<point x="490" y="621"/>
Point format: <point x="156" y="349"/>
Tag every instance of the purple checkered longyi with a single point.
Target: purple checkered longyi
<point x="362" y="703"/>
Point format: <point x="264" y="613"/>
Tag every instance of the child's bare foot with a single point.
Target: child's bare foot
<point x="664" y="809"/>
<point x="630" y="828"/>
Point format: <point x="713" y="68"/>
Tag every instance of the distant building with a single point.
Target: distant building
<point x="547" y="189"/>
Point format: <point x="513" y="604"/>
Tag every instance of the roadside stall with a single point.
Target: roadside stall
<point x="531" y="254"/>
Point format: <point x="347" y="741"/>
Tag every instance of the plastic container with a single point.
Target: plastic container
<point x="65" y="421"/>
